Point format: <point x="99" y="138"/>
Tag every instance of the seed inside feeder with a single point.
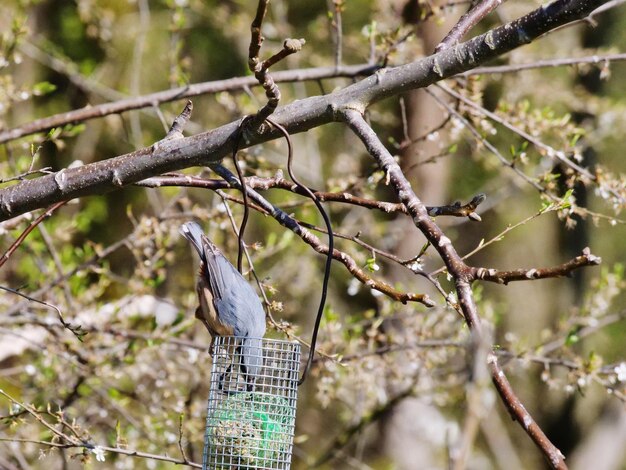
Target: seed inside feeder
<point x="252" y="430"/>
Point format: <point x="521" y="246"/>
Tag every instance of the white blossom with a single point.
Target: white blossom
<point x="416" y="266"/>
<point x="621" y="372"/>
<point x="353" y="287"/>
<point x="99" y="453"/>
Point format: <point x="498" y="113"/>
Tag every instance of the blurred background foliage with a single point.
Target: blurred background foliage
<point x="115" y="264"/>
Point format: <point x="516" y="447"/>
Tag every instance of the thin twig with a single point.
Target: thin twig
<point x="586" y="258"/>
<point x="335" y="8"/>
<point x="600" y="59"/>
<point x="290" y="223"/>
<point x="544" y="149"/>
<point x="114" y="450"/>
<point x="467" y="22"/>
<point x="260" y="69"/>
<point x="5" y="257"/>
<point x="176" y="130"/>
<point x="455" y="209"/>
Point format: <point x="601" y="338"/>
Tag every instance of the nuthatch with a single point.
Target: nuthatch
<point x="228" y="303"/>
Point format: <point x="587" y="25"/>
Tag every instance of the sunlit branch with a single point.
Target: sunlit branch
<point x="299" y="116"/>
<point x="470" y="19"/>
<point x="460" y="272"/>
<point x="565" y="269"/>
<point x="290" y="223"/>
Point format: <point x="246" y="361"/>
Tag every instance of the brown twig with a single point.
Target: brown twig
<point x="256" y="38"/>
<point x="176" y="130"/>
<point x="461" y="273"/>
<point x="518" y="413"/>
<point x="565" y="269"/>
<point x="455" y="209"/>
<point x="260" y="69"/>
<point x="29" y="229"/>
<point x="290" y="46"/>
<point x="290" y="223"/>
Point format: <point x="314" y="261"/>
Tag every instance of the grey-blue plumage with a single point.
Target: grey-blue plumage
<point x="229" y="305"/>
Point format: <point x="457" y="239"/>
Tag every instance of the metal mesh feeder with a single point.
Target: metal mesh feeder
<point x="251" y="411"/>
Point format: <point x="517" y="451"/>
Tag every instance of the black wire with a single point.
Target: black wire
<point x="246" y="209"/>
<point x="329" y="258"/>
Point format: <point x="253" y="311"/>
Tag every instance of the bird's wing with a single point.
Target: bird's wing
<point x="218" y="269"/>
<point x="242" y="309"/>
<point x="214" y="264"/>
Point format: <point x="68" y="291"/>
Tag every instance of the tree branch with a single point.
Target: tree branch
<point x="180" y="93"/>
<point x="290" y="223"/>
<point x="302" y="115"/>
<point x="518" y="413"/>
<point x="565" y="269"/>
<point x="455" y="209"/>
<point x="548" y="63"/>
<point x="467" y="22"/>
<point x="261" y="69"/>
<point x="461" y="273"/>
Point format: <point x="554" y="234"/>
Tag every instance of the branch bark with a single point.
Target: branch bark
<point x="180" y="93"/>
<point x="467" y="22"/>
<point x="309" y="238"/>
<point x="300" y="116"/>
<point x="462" y="274"/>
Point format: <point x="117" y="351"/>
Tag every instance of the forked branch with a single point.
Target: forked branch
<point x="460" y="272"/>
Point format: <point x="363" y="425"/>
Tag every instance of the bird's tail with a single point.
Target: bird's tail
<point x="251" y="351"/>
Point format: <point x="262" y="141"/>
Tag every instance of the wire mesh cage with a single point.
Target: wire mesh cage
<point x="251" y="411"/>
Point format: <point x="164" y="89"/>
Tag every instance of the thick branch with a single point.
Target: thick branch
<point x="518" y="413"/>
<point x="415" y="207"/>
<point x="212" y="146"/>
<point x="154" y="99"/>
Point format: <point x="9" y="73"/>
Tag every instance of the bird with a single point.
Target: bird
<point x="229" y="305"/>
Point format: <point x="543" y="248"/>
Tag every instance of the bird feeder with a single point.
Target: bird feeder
<point x="251" y="419"/>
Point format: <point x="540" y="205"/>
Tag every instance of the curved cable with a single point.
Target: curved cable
<point x="244" y="192"/>
<point x="329" y="257"/>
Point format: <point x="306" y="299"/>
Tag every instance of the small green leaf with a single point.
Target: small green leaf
<point x="43" y="88"/>
<point x="572" y="337"/>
